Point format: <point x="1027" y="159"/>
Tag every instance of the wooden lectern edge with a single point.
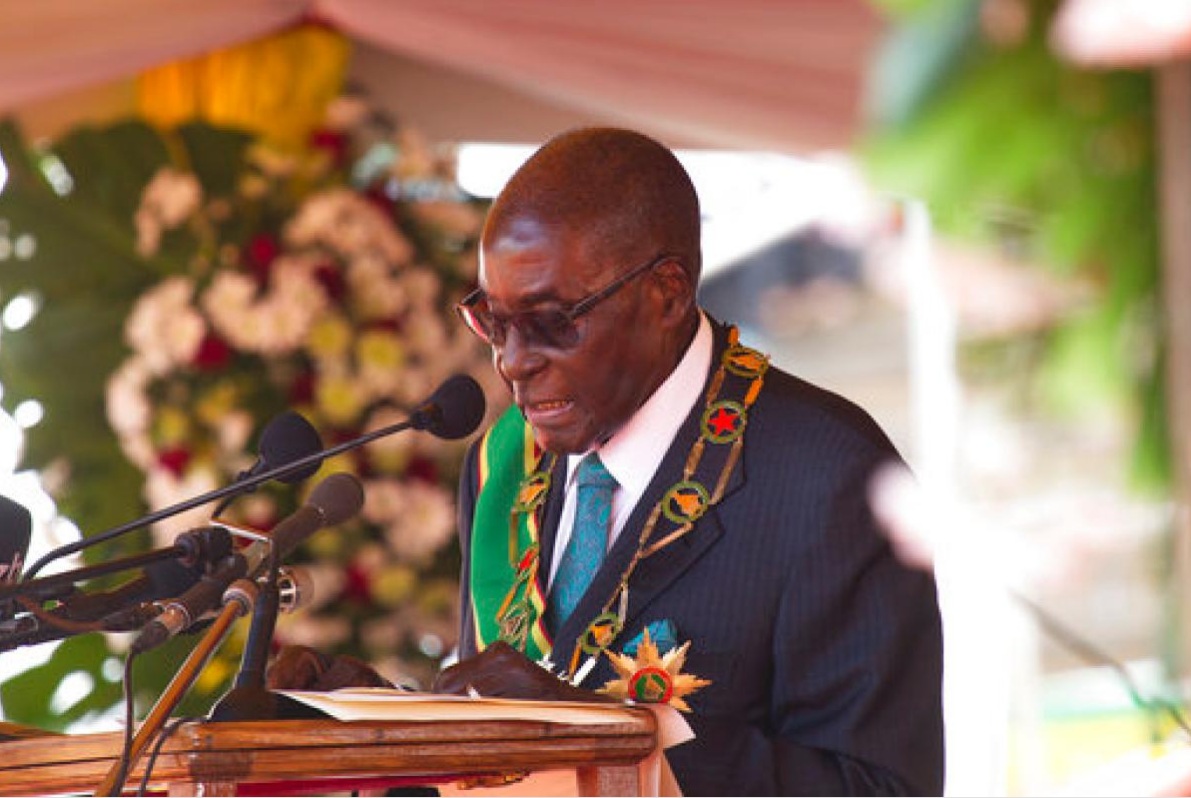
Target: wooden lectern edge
<point x="281" y="752"/>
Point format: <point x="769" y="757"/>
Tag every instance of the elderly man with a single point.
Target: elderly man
<point x="657" y="485"/>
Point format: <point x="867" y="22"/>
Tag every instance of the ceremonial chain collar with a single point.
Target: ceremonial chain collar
<point x="740" y="375"/>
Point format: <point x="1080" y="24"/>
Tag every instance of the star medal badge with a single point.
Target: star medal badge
<point x="650" y="678"/>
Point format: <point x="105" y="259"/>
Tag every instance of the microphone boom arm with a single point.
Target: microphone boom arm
<point x="219" y="493"/>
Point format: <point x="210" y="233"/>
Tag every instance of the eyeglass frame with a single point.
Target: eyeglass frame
<point x="464" y="307"/>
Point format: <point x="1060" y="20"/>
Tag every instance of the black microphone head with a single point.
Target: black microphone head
<point x="169" y="578"/>
<point x="340" y="496"/>
<point x="453" y="411"/>
<point x="288" y="438"/>
<point x="16" y="526"/>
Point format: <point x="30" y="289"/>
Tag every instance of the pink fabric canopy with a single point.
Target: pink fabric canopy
<point x="785" y="75"/>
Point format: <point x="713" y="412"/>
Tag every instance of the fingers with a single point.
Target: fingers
<point x="347" y="671"/>
<point x="302" y="668"/>
<point x="501" y="672"/>
<point x="296" y="668"/>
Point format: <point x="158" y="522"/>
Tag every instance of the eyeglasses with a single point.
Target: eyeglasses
<point x="551" y="328"/>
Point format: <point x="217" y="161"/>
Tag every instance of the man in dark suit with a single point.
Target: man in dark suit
<point x="738" y="521"/>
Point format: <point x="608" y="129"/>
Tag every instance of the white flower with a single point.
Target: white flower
<point x="347" y="223"/>
<point x="426" y="334"/>
<point x="148" y="233"/>
<point x="163" y="327"/>
<point x="454" y="218"/>
<point x="415" y="385"/>
<point x="128" y="408"/>
<point x="233" y="431"/>
<point x="273" y="323"/>
<point x="327" y="581"/>
<point x="382" y="500"/>
<point x="129" y="412"/>
<point x="172" y="196"/>
<point x="421" y="519"/>
<point x="257" y="510"/>
<point x="374" y="291"/>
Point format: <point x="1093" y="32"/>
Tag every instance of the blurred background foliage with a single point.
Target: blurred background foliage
<point x="1047" y="164"/>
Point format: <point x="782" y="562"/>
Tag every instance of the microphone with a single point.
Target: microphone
<point x="198" y="547"/>
<point x="333" y="501"/>
<point x="453" y="411"/>
<point x="295" y="585"/>
<point x="16" y="526"/>
<point x="286" y="438"/>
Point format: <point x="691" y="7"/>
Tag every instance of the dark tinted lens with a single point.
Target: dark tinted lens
<point x="544" y="328"/>
<point x="550" y="328"/>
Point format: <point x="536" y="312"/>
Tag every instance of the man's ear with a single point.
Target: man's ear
<point x="676" y="291"/>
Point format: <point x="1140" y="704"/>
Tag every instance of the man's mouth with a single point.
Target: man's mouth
<point x="543" y="411"/>
<point x="554" y="404"/>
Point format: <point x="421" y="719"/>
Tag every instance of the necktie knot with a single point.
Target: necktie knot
<point x="593" y="473"/>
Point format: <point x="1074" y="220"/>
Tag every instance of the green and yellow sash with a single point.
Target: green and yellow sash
<point x="506" y="594"/>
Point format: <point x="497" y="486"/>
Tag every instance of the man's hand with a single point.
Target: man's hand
<point x="302" y="668"/>
<point x="499" y="671"/>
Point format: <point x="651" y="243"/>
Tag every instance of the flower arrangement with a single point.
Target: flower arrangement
<point x="195" y="282"/>
<point x="333" y="309"/>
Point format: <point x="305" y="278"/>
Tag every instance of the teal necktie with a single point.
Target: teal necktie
<point x="589" y="538"/>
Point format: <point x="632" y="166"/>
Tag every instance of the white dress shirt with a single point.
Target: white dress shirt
<point x="634" y="453"/>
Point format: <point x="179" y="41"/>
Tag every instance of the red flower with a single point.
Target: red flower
<point x="213" y="353"/>
<point x="174" y="460"/>
<point x="376" y="194"/>
<point x="356" y="588"/>
<point x="259" y="255"/>
<point x="334" y="142"/>
<point x="424" y="469"/>
<point x="301" y="390"/>
<point x="330" y="277"/>
<point x="392" y="325"/>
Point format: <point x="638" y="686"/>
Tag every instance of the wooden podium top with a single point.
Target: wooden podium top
<point x="218" y="756"/>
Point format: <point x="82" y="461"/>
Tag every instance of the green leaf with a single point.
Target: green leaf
<point x="215" y="155"/>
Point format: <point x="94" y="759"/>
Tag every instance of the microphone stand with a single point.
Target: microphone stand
<point x="416" y="421"/>
<point x="238" y="599"/>
<point x="249" y="699"/>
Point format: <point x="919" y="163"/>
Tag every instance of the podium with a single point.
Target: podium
<point x="279" y="757"/>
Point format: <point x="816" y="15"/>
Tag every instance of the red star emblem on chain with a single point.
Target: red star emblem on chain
<point x="723" y="422"/>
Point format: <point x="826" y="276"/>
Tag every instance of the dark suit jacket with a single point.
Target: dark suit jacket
<point x="825" y="653"/>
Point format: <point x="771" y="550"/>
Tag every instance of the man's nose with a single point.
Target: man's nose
<point x="516" y="358"/>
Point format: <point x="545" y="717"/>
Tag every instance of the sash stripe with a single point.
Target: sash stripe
<point x="507" y="455"/>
